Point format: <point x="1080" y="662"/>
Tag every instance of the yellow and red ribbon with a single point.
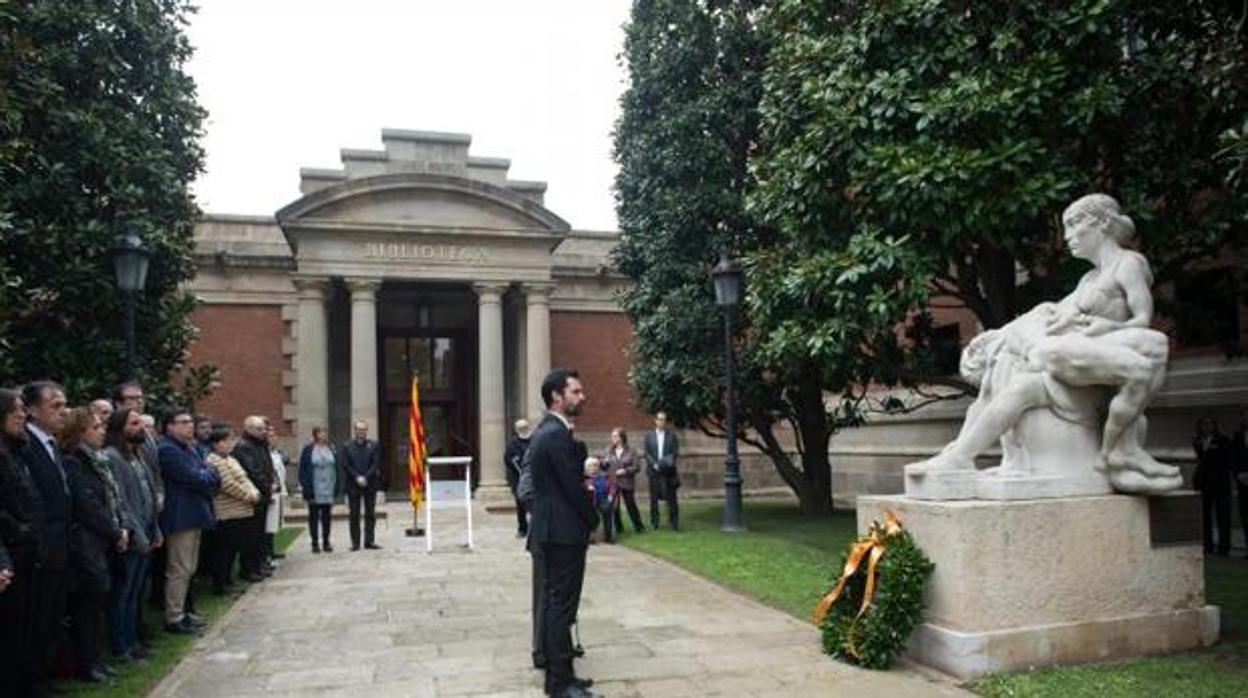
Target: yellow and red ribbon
<point x="872" y="547"/>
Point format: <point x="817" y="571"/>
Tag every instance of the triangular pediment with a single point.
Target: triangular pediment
<point x="419" y="201"/>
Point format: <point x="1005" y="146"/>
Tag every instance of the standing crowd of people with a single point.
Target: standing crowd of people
<point x="1221" y="475"/>
<point x="99" y="506"/>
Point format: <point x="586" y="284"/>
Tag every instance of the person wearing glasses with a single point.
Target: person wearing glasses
<point x="190" y="486"/>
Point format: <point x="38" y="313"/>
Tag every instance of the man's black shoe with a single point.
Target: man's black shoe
<point x="316" y="549"/>
<point x="582" y="683"/>
<point x="372" y="546"/>
<point x="327" y="548"/>
<point x="355" y="547"/>
<point x="92" y="675"/>
<point x="574" y="691"/>
<point x="181" y="628"/>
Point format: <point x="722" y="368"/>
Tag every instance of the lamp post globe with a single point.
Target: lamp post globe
<point x="727" y="279"/>
<point x="130" y="262"/>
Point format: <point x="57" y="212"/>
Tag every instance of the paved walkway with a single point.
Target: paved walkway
<point x="398" y="622"/>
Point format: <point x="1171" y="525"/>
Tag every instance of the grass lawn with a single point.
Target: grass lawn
<point x="786" y="560"/>
<point x="137" y="678"/>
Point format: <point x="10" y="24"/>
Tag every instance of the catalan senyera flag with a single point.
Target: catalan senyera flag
<point x="416" y="452"/>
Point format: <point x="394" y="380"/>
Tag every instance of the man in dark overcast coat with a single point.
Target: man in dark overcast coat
<point x="563" y="517"/>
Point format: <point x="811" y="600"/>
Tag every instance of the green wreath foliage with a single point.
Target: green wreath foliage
<point x="895" y="610"/>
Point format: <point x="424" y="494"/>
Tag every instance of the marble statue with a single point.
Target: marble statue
<point x="1064" y="386"/>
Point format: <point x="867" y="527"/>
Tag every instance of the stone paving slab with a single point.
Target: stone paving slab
<point x="400" y="622"/>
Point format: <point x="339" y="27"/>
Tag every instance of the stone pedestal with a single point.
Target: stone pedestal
<point x="1030" y="583"/>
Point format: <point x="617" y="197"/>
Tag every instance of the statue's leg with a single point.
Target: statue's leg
<point x="990" y="420"/>
<point x="1122" y="444"/>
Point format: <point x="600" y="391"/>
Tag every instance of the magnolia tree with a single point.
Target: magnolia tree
<point x="99" y="130"/>
<point x="688" y="128"/>
<point x="969" y="126"/>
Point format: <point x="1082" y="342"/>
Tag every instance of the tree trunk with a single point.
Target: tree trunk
<point x="812" y="421"/>
<point x="998" y="280"/>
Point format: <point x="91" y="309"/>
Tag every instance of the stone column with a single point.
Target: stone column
<point x="364" y="352"/>
<point x="311" y="357"/>
<point x="537" y="351"/>
<point x="492" y="432"/>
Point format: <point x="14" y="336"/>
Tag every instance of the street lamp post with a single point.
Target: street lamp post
<point x="130" y="260"/>
<point x="727" y="278"/>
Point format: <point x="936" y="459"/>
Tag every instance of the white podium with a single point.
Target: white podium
<point x="447" y="493"/>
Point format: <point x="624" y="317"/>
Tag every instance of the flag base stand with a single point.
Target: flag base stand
<point x="415" y="531"/>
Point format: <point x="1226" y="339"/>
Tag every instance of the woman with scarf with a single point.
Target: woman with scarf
<point x="98" y="535"/>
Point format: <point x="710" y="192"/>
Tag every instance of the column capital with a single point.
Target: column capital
<point x="489" y="291"/>
<point x="362" y="288"/>
<point x="311" y="287"/>
<point x="537" y="291"/>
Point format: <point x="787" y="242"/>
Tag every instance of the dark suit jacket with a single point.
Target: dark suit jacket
<point x="361" y="459"/>
<point x="562" y="511"/>
<point x="671" y="451"/>
<point x="254" y="456"/>
<point x="58" y="507"/>
<point x="626" y="462"/>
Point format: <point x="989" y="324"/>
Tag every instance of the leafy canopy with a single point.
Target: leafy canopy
<point x="99" y="129"/>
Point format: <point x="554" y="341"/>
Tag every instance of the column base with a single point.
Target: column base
<point x="496" y="498"/>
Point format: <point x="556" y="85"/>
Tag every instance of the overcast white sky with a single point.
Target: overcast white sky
<point x="289" y="82"/>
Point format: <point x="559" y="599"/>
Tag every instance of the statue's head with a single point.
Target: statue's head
<point x="1091" y="221"/>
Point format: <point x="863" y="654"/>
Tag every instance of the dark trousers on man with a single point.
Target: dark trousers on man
<point x="664" y="487"/>
<point x="1216" y="510"/>
<point x="629" y="498"/>
<point x="564" y="568"/>
<point x="368" y="494"/>
<point x="319" y="516"/>
<point x="539" y="605"/>
<point x="522" y="518"/>
<point x="51" y="590"/>
<point x="1242" y="494"/>
<point x="253" y="552"/>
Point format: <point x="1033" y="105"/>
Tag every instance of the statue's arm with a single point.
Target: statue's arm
<point x="1136" y="280"/>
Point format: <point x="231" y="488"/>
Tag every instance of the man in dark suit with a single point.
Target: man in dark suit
<point x="1240" y="469"/>
<point x="1213" y="480"/>
<point x="563" y="517"/>
<point x="662" y="450"/>
<point x="361" y="460"/>
<point x="45" y="405"/>
<point x="252" y="452"/>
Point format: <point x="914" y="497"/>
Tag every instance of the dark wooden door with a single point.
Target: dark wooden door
<point x="444" y="361"/>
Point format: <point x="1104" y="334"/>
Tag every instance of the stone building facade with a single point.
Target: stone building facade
<point x="416" y="258"/>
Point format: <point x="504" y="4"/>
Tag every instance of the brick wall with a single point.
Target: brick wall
<point x="596" y="344"/>
<point x="245" y="343"/>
